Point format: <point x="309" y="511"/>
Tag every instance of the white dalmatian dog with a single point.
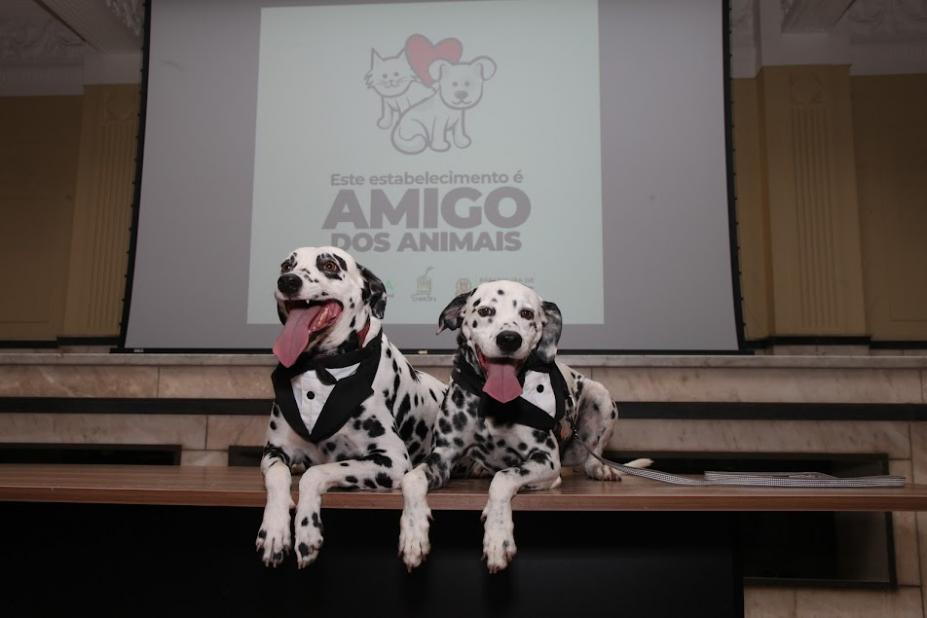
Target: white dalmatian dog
<point x="509" y="409"/>
<point x="349" y="409"/>
<point x="426" y="124"/>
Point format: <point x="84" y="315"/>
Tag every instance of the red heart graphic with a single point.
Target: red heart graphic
<point x="421" y="53"/>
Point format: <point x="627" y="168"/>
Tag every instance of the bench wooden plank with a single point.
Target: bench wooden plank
<point x="220" y="486"/>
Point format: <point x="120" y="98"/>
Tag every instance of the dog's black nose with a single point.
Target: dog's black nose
<point x="508" y="341"/>
<point x="460" y="94"/>
<point x="289" y="283"/>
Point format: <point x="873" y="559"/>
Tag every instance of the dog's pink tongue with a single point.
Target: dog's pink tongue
<point x="295" y="336"/>
<point x="501" y="382"/>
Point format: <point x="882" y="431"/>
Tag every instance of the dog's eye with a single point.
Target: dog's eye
<point x="527" y="314"/>
<point x="485" y="312"/>
<point x="329" y="266"/>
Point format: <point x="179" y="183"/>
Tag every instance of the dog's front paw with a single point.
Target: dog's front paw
<point x="598" y="471"/>
<point x="308" y="538"/>
<point x="413" y="539"/>
<point x="273" y="539"/>
<point x="498" y="548"/>
<point x="440" y="146"/>
<point x="461" y="141"/>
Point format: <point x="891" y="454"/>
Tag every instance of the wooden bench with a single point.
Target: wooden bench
<point x="115" y="537"/>
<point x="243" y="487"/>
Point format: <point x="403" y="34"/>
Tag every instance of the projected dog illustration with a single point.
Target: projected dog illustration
<point x="453" y="86"/>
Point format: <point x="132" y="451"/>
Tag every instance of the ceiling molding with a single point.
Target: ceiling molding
<point x="38" y="41"/>
<point x="110" y="26"/>
<point x="888" y="21"/>
<point x="808" y="16"/>
<point x="131" y="13"/>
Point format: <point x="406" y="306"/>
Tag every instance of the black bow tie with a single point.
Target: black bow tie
<point x="347" y="395"/>
<point x="519" y="411"/>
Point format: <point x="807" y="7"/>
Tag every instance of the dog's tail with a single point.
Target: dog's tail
<point x="409" y="137"/>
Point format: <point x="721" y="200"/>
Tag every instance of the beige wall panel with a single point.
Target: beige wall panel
<point x="890" y="126"/>
<point x="102" y="211"/>
<point x="39" y="139"/>
<point x="814" y="219"/>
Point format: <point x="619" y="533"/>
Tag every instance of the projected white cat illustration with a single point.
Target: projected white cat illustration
<point x="398" y="86"/>
<point x="429" y="88"/>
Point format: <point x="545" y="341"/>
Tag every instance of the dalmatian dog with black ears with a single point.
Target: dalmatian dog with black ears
<point x="348" y="409"/>
<point x="508" y="411"/>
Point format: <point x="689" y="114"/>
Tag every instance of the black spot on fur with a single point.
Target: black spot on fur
<point x="384" y="480"/>
<point x="262" y="534"/>
<point x="539" y="457"/>
<point x="404" y="406"/>
<point x="373" y="427"/>
<point x="458" y="442"/>
<point x="273" y="426"/>
<point x="304" y="522"/>
<point x="443" y="425"/>
<point x="351" y="479"/>
<point x="460" y="421"/>
<point x="275" y="452"/>
<point x="344" y="464"/>
<point x="421" y="430"/>
<point x="369" y="484"/>
<point x="474" y="323"/>
<point x="379" y="459"/>
<point x="500" y="292"/>
<point x="303" y="549"/>
<point x="457" y="397"/>
<point x="405" y="432"/>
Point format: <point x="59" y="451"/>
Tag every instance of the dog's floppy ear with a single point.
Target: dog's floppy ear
<point x="451" y="317"/>
<point x="436" y="68"/>
<point x="550" y="333"/>
<point x="374" y="292"/>
<point x="487" y="66"/>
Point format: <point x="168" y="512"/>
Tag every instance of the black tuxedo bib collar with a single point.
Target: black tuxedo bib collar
<point x="541" y="405"/>
<point x="330" y="388"/>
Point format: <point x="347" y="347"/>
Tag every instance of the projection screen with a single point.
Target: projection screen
<point x="573" y="145"/>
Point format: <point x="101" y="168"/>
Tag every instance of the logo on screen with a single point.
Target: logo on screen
<point x="425" y="91"/>
<point x="423" y="288"/>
